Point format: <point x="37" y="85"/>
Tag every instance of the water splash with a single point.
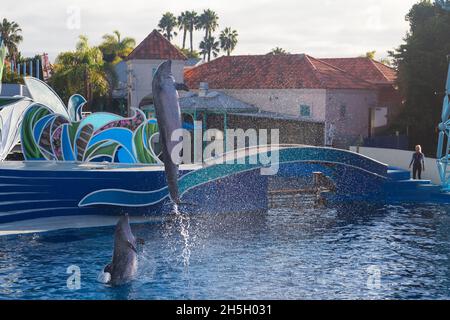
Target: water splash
<point x="183" y="223"/>
<point x="147" y="264"/>
<point x="178" y="235"/>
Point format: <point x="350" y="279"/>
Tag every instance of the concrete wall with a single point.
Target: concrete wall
<point x="355" y="122"/>
<point x="400" y="159"/>
<point x="140" y="76"/>
<point x="285" y="101"/>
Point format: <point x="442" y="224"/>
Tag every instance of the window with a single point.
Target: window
<point x="305" y="111"/>
<point x="343" y="111"/>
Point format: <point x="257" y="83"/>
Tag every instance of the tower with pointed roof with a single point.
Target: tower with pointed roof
<point x="142" y="63"/>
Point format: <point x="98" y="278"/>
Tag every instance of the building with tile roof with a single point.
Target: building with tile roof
<point x="296" y="71"/>
<point x="382" y="77"/>
<point x="352" y="99"/>
<point x="365" y="68"/>
<point x="143" y="61"/>
<point x="156" y="47"/>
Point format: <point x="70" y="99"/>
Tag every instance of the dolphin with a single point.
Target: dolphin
<point x="168" y="115"/>
<point x="124" y="263"/>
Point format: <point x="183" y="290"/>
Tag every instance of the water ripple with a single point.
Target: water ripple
<point x="282" y="254"/>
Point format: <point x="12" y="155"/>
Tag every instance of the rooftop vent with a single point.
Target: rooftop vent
<point x="203" y="89"/>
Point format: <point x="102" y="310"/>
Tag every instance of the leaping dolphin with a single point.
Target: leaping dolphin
<point x="168" y="115"/>
<point x="124" y="263"/>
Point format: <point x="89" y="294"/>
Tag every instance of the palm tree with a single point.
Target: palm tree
<point x="228" y="40"/>
<point x="209" y="46"/>
<point x="208" y="20"/>
<point x="167" y="23"/>
<point x="10" y="33"/>
<point x="192" y="21"/>
<point x="278" y="50"/>
<point x="2" y="61"/>
<point x="183" y="24"/>
<point x="116" y="48"/>
<point x="81" y="70"/>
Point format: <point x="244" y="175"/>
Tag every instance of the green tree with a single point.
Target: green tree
<point x="209" y="21"/>
<point x="209" y="46"/>
<point x="278" y="50"/>
<point x="78" y="71"/>
<point x="6" y="76"/>
<point x="115" y="48"/>
<point x="189" y="54"/>
<point x="422" y="67"/>
<point x="11" y="34"/>
<point x="167" y="24"/>
<point x="228" y="40"/>
<point x="371" y="54"/>
<point x="11" y="77"/>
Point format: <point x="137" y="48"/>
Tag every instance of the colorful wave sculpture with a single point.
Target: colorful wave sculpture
<point x="46" y="135"/>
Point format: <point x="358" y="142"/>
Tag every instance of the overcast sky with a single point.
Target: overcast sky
<point x="321" y="28"/>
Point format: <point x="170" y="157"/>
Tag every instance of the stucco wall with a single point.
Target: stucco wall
<point x="285" y="101"/>
<point x="325" y="104"/>
<point x="140" y="76"/>
<point x="355" y="122"/>
<point x="325" y="107"/>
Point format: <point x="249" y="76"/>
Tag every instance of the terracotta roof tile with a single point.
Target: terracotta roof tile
<point x="155" y="46"/>
<point x="365" y="68"/>
<point x="292" y="71"/>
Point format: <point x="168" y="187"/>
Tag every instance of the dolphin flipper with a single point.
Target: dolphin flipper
<point x="132" y="246"/>
<point x="108" y="268"/>
<point x="105" y="275"/>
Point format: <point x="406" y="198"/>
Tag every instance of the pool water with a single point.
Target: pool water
<point x="357" y="252"/>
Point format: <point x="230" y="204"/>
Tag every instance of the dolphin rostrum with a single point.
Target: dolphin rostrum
<point x="123" y="267"/>
<point x="168" y="115"/>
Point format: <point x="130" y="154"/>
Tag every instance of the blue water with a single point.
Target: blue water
<point x="390" y="252"/>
